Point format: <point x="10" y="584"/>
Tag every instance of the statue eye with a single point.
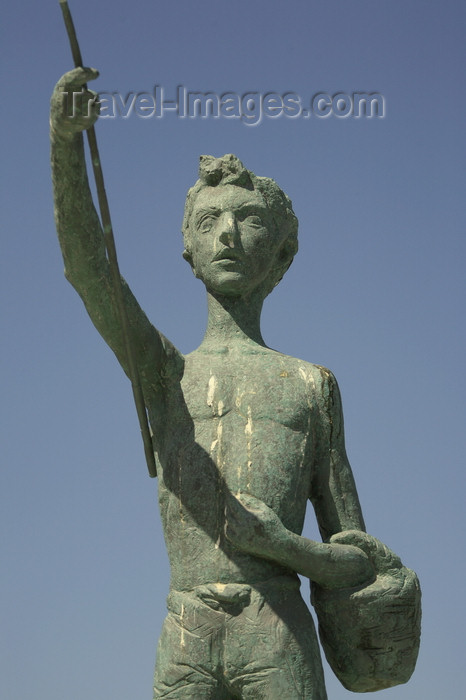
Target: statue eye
<point x="206" y="223"/>
<point x="253" y="220"/>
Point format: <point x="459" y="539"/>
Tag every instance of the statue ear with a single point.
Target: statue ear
<point x="286" y="253"/>
<point x="283" y="253"/>
<point x="284" y="257"/>
<point x="289" y="248"/>
<point x="188" y="257"/>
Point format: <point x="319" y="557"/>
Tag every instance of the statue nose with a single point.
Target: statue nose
<point x="228" y="229"/>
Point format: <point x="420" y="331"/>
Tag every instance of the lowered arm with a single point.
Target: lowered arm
<point x="333" y="491"/>
<point x="253" y="527"/>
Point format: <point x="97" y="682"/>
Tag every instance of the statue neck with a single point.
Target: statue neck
<point x="232" y="321"/>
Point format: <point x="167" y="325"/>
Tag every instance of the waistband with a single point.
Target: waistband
<point x="232" y="597"/>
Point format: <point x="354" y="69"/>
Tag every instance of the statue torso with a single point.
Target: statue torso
<point x="239" y="421"/>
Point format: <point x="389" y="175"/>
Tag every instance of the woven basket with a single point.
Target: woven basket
<point x="371" y="634"/>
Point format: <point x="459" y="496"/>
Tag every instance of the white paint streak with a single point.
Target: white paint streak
<point x="211" y="390"/>
<point x="180" y="492"/>
<point x="248" y="428"/>
<point x="217" y="443"/>
<point x="182" y="642"/>
<point x="308" y="377"/>
<point x="217" y="407"/>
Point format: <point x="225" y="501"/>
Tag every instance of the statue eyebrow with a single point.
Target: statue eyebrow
<point x="206" y="210"/>
<point x="243" y="209"/>
<point x="249" y="206"/>
<point x="249" y="209"/>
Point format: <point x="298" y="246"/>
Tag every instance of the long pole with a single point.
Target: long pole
<point x="112" y="260"/>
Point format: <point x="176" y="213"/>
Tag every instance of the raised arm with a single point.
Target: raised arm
<point x="81" y="238"/>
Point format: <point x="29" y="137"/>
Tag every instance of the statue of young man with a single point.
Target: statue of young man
<point x="243" y="436"/>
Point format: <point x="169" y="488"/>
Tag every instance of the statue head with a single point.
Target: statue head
<point x="221" y="176"/>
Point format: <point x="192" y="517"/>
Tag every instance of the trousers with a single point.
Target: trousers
<point x="235" y="641"/>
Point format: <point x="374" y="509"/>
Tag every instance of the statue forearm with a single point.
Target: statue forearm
<point x="329" y="565"/>
<point x="78" y="226"/>
<point x="81" y="237"/>
<point x="76" y="219"/>
<point x="255" y="528"/>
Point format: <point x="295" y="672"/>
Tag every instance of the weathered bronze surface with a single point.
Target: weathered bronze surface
<point x="243" y="436"/>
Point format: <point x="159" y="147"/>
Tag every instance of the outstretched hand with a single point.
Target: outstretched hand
<point x="73" y="107"/>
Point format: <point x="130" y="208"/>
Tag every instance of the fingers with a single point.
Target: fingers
<point x="240" y="520"/>
<point x="355" y="537"/>
<point x="235" y="510"/>
<point x="248" y="501"/>
<point x="381" y="556"/>
<point x="251" y="503"/>
<point x="73" y="107"/>
<point x="76" y="78"/>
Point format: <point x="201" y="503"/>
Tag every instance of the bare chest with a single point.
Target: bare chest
<point x="238" y="425"/>
<point x="253" y="391"/>
<point x="245" y="423"/>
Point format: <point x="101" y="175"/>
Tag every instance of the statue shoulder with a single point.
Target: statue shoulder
<point x="320" y="378"/>
<point x="322" y="389"/>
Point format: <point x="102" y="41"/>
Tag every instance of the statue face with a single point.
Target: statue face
<point x="234" y="240"/>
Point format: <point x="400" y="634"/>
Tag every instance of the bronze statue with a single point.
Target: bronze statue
<point x="243" y="437"/>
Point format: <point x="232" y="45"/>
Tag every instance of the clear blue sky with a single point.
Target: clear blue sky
<point x="376" y="294"/>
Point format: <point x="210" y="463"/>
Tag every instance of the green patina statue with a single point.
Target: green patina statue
<point x="243" y="436"/>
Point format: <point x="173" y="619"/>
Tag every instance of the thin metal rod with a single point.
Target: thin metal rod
<point x="113" y="261"/>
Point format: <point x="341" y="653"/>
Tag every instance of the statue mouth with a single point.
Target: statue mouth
<point x="228" y="254"/>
